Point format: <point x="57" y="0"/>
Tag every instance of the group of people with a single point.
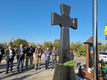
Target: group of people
<point x="21" y="52"/>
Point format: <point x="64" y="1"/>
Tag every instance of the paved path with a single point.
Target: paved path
<point x="31" y="74"/>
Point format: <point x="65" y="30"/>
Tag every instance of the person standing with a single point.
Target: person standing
<point x="38" y="54"/>
<point x="10" y="53"/>
<point x="72" y="55"/>
<point x="47" y="54"/>
<point x="54" y="57"/>
<point x="20" y="57"/>
<point x="1" y="53"/>
<point x="29" y="55"/>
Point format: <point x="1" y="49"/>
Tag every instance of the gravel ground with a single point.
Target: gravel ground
<point x="31" y="74"/>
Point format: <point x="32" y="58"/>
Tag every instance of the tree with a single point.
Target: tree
<point x="39" y="44"/>
<point x="81" y="51"/>
<point x="78" y="44"/>
<point x="79" y="48"/>
<point x="73" y="46"/>
<point x="20" y="41"/>
<point x="56" y="43"/>
<point x="33" y="45"/>
<point x="4" y="45"/>
<point x="10" y="44"/>
<point x="48" y="44"/>
<point x="102" y="47"/>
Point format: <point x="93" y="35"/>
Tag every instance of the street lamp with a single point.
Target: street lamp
<point x="95" y="40"/>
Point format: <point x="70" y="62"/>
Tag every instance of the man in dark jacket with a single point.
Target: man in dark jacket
<point x="1" y="53"/>
<point x="20" y="57"/>
<point x="10" y="53"/>
<point x="54" y="56"/>
<point x="29" y="55"/>
<point x="38" y="54"/>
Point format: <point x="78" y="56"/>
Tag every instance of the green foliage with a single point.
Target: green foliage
<point x="81" y="51"/>
<point x="73" y="46"/>
<point x="33" y="45"/>
<point x="20" y="41"/>
<point x="79" y="48"/>
<point x="78" y="45"/>
<point x="11" y="44"/>
<point x="48" y="44"/>
<point x="16" y="43"/>
<point x="69" y="64"/>
<point x="4" y="45"/>
<point x="102" y="47"/>
<point x="56" y="43"/>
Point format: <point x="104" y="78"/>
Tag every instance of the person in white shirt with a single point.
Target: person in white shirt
<point x="10" y="53"/>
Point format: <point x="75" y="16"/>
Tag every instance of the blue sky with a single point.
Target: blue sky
<point x="31" y="20"/>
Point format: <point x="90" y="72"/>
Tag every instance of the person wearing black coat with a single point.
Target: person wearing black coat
<point x="29" y="55"/>
<point x="10" y="53"/>
<point x="20" y="57"/>
<point x="1" y="53"/>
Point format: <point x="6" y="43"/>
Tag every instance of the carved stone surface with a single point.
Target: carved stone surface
<point x="67" y="72"/>
<point x="65" y="22"/>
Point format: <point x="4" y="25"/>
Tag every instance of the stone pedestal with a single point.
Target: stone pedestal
<point x="65" y="72"/>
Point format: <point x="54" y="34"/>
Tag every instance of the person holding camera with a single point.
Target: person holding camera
<point x="10" y="53"/>
<point x="29" y="55"/>
<point x="20" y="57"/>
<point x="38" y="54"/>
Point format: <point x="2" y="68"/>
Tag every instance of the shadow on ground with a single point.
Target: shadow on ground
<point x="25" y="70"/>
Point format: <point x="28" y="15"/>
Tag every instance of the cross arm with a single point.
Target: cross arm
<point x="55" y="19"/>
<point x="63" y="20"/>
<point x="73" y="23"/>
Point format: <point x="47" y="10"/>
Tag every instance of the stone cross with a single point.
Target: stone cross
<point x="64" y="72"/>
<point x="65" y="22"/>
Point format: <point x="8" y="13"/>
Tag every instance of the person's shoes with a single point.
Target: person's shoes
<point x="6" y="73"/>
<point x="18" y="71"/>
<point x="52" y="68"/>
<point x="36" y="69"/>
<point x="39" y="68"/>
<point x="45" y="68"/>
<point x="21" y="71"/>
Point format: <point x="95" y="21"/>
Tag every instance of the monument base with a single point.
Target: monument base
<point x="90" y="75"/>
<point x="64" y="73"/>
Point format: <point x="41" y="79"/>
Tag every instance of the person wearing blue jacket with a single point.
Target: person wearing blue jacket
<point x="47" y="54"/>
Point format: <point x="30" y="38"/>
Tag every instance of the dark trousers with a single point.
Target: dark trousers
<point x="31" y="61"/>
<point x="54" y="61"/>
<point x="18" y="64"/>
<point x="7" y="65"/>
<point x="46" y="64"/>
<point x="0" y="58"/>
